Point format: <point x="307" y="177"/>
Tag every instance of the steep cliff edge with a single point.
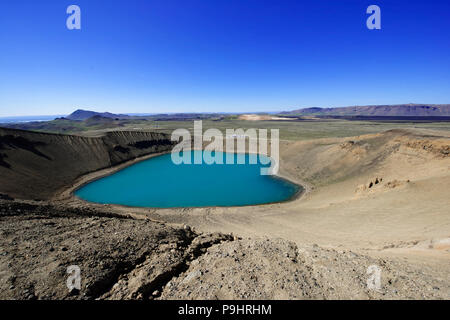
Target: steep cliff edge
<point x="35" y="165"/>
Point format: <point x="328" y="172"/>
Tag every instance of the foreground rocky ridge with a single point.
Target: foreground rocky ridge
<point x="125" y="258"/>
<point x="39" y="242"/>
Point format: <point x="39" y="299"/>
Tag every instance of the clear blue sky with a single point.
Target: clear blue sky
<point x="220" y="55"/>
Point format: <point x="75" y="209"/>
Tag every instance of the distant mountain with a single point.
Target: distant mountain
<point x="399" y="110"/>
<point x="86" y="114"/>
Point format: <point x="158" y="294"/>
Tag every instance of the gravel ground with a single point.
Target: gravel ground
<point x="124" y="258"/>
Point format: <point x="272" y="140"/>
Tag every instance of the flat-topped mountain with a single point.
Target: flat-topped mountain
<point x="399" y="110"/>
<point x="86" y="114"/>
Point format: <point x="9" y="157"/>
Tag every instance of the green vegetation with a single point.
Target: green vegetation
<point x="289" y="130"/>
<point x="304" y="130"/>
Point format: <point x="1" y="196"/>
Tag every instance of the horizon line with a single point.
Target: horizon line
<point x="220" y="112"/>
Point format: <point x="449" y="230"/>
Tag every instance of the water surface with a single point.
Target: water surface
<point x="159" y="183"/>
<point x="20" y="119"/>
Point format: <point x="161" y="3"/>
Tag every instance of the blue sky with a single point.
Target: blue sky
<point x="220" y="55"/>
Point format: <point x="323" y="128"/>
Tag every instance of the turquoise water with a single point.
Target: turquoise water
<point x="159" y="183"/>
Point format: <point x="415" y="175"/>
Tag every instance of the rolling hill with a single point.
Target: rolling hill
<point x="86" y="114"/>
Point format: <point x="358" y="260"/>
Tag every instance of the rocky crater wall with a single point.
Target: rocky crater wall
<point x="36" y="165"/>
